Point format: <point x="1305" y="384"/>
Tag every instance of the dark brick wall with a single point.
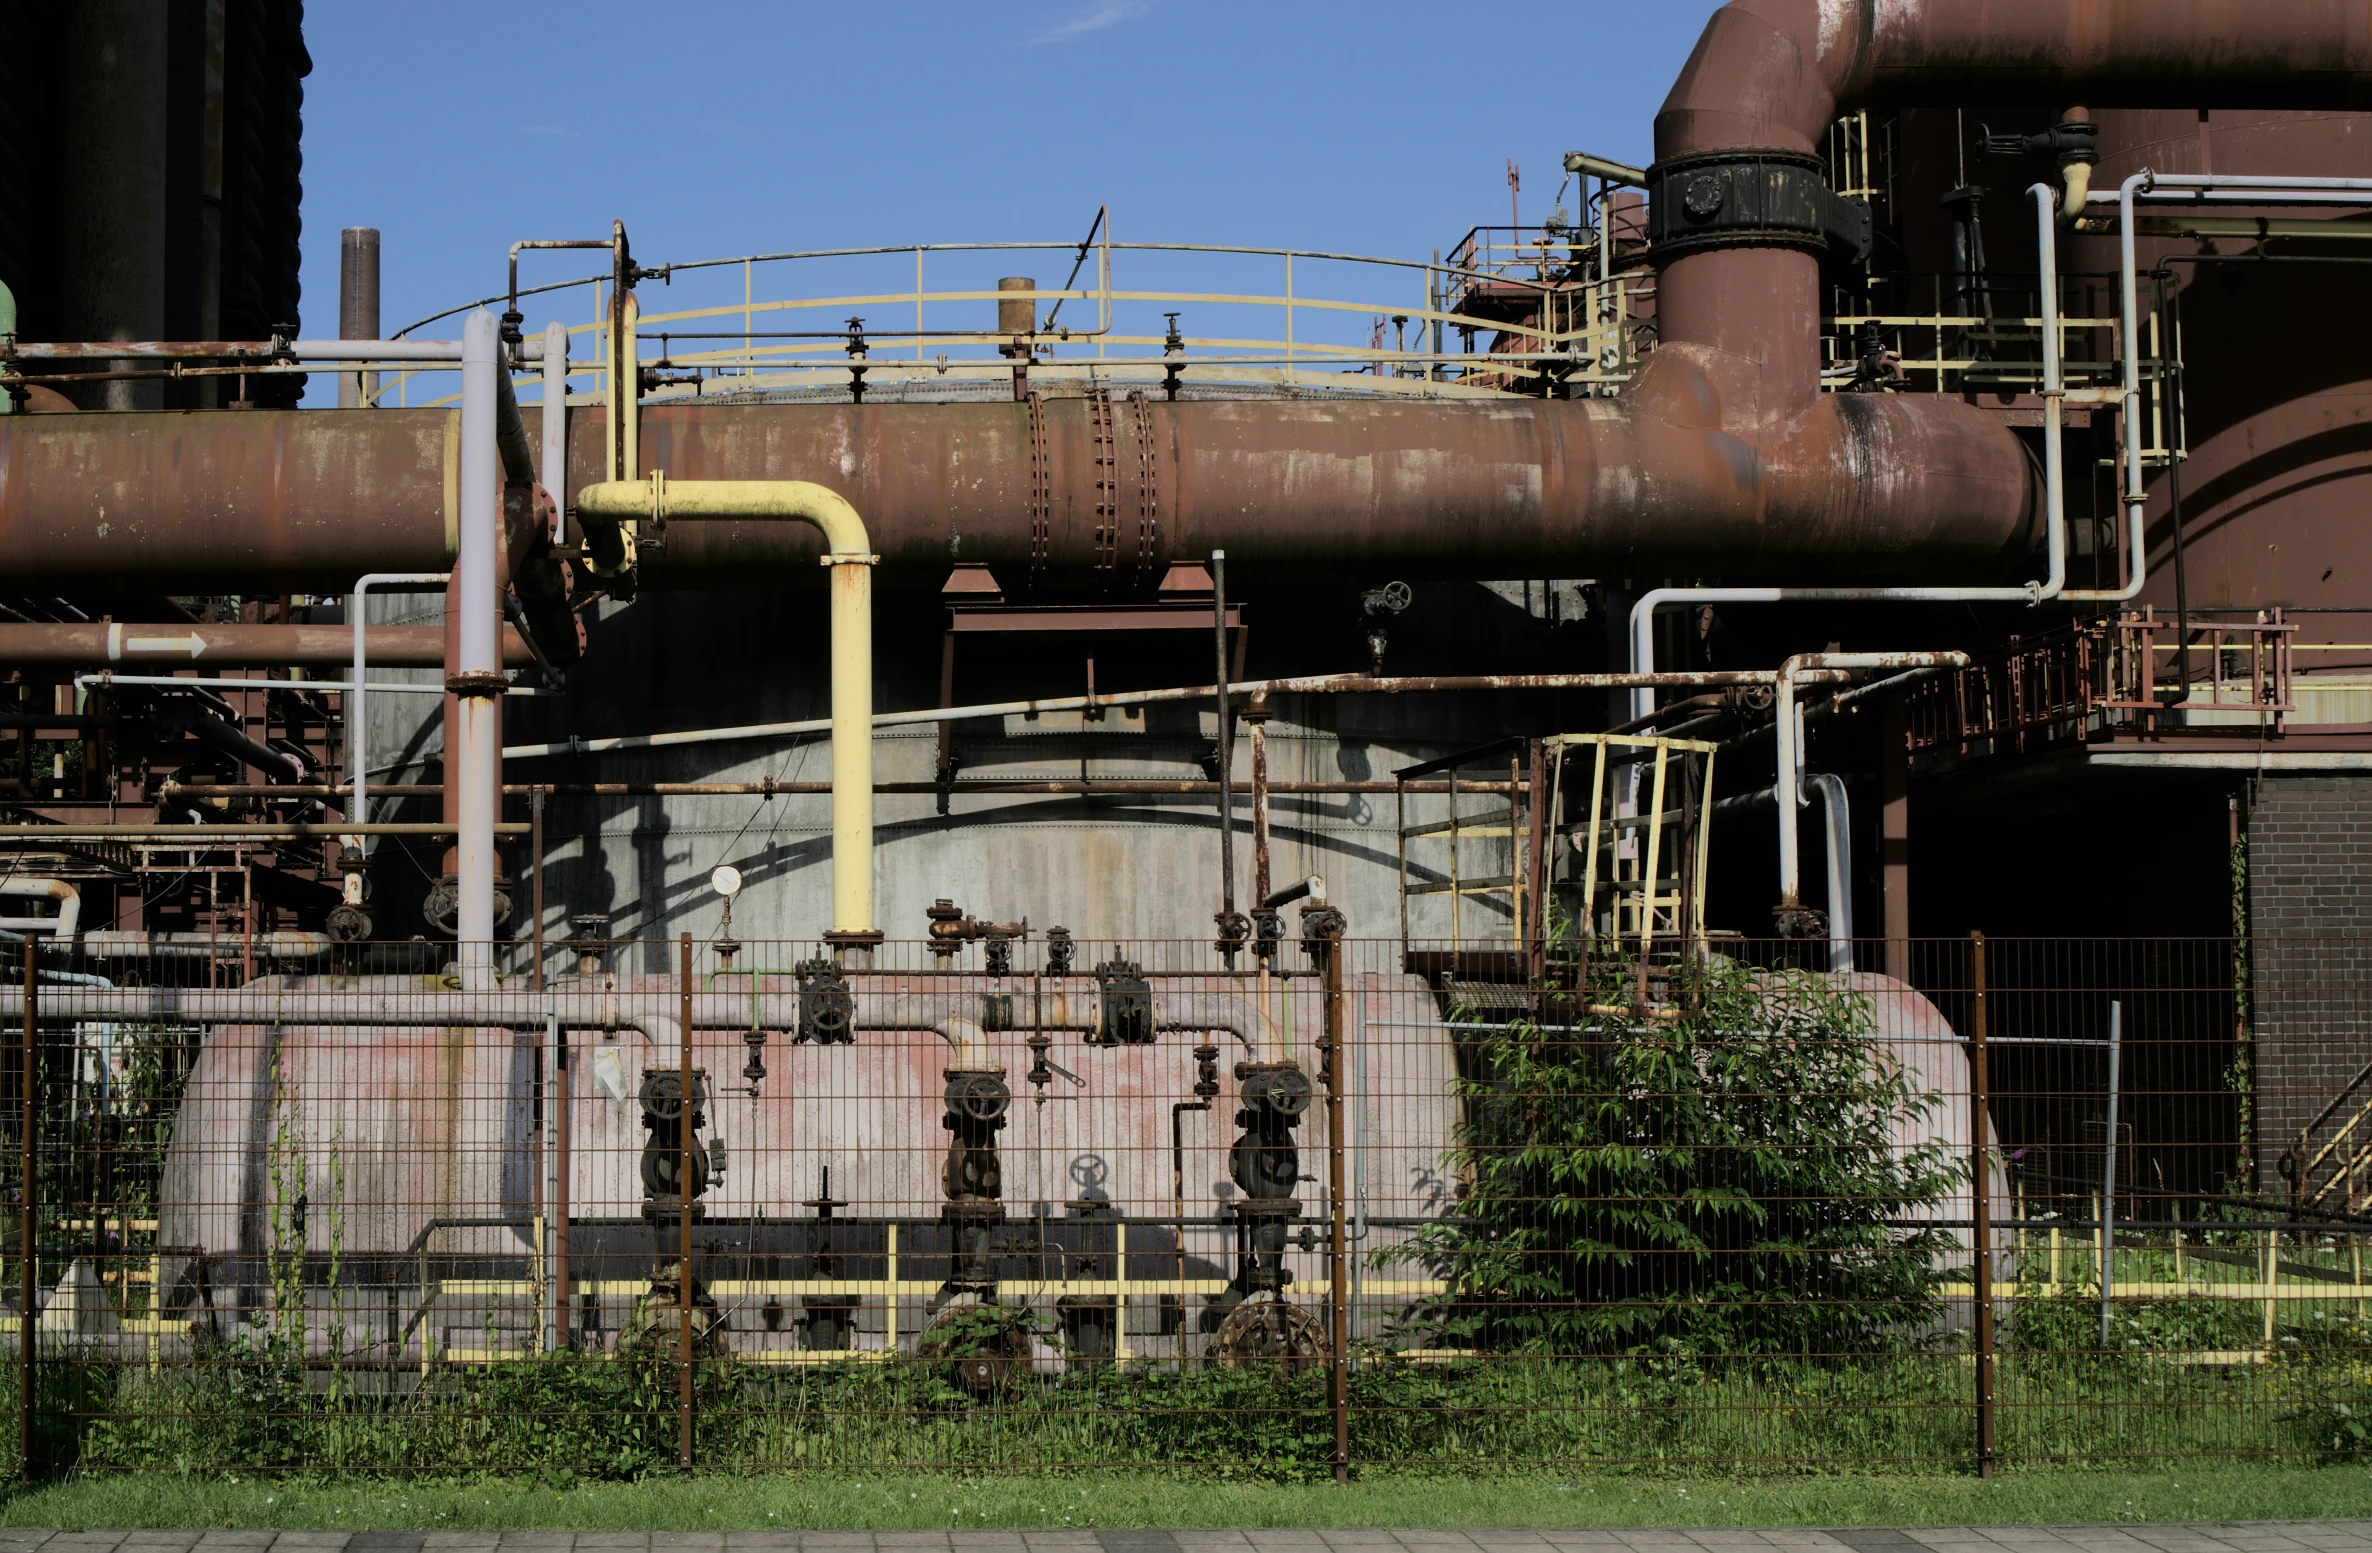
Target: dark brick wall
<point x="2310" y="910"/>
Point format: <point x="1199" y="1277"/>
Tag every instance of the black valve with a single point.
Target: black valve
<point x="977" y="1101"/>
<point x="1061" y="951"/>
<point x="1126" y="1017"/>
<point x="674" y="1150"/>
<point x="827" y="1009"/>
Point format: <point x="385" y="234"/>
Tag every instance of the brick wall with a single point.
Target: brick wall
<point x="2310" y="909"/>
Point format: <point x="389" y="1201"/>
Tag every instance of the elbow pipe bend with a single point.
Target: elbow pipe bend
<point x="63" y="926"/>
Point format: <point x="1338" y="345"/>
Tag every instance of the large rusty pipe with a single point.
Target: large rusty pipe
<point x="177" y="645"/>
<point x="1865" y="485"/>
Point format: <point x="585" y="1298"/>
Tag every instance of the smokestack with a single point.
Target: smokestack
<point x="358" y="307"/>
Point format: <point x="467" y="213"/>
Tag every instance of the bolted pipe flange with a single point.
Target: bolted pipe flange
<point x="477" y="682"/>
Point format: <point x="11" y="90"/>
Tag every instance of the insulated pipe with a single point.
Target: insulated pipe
<point x="1837" y="812"/>
<point x="1787" y="787"/>
<point x="61" y="927"/>
<point x="961" y="1018"/>
<point x="358" y="728"/>
<point x="277" y="945"/>
<point x="850" y="556"/>
<point x="1869" y="487"/>
<point x="476" y="676"/>
<point x="189" y="644"/>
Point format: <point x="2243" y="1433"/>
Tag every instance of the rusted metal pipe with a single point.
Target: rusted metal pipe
<point x="291" y="501"/>
<point x="174" y="644"/>
<point x="1322" y="684"/>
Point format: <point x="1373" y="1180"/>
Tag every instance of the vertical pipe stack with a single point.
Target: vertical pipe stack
<point x="358" y="308"/>
<point x="475" y="677"/>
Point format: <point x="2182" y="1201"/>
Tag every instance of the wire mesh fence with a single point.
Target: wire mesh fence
<point x="1289" y="1206"/>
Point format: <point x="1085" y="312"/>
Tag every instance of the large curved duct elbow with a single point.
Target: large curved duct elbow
<point x="1769" y="76"/>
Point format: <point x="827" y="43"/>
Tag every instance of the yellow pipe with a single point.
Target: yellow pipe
<point x="662" y="501"/>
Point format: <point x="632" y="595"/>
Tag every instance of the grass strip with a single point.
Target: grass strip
<point x="891" y="1501"/>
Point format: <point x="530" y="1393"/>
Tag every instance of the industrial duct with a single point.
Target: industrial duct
<point x="1721" y="458"/>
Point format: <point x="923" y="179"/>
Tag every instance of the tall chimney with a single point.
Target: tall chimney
<point x="358" y="307"/>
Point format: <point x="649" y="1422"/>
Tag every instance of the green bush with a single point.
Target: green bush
<point x="1721" y="1183"/>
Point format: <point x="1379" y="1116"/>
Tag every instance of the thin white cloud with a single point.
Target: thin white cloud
<point x="1097" y="17"/>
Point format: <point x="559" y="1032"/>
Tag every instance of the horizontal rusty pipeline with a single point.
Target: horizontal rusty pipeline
<point x="1127" y="787"/>
<point x="170" y="646"/>
<point x="170" y="835"/>
<point x="302" y="500"/>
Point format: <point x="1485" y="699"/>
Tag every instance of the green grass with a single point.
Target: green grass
<point x="893" y="1501"/>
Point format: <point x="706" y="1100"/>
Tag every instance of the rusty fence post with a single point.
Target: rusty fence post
<point x="28" y="1128"/>
<point x="683" y="1219"/>
<point x="1325" y="923"/>
<point x="1980" y="1201"/>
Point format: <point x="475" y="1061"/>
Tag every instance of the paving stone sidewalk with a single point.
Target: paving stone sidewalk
<point x="2169" y="1537"/>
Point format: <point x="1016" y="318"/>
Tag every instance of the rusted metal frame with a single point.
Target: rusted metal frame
<point x="1981" y="1213"/>
<point x="683" y="1181"/>
<point x="1256" y="719"/>
<point x="28" y="1130"/>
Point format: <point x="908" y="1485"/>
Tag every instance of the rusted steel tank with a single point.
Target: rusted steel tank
<point x="421" y="1140"/>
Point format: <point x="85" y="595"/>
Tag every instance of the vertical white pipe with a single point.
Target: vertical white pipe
<point x="555" y="459"/>
<point x="476" y="746"/>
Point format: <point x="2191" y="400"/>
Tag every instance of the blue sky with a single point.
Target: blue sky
<point x="712" y="129"/>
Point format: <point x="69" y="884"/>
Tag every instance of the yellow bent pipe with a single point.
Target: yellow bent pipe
<point x="659" y="500"/>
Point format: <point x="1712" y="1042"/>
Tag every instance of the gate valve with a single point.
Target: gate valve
<point x="1124" y="1014"/>
<point x="827" y="1009"/>
<point x="976" y="1102"/>
<point x="674" y="1150"/>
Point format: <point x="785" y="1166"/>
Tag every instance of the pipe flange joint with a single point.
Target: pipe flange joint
<point x="477" y="682"/>
<point x="1754" y="198"/>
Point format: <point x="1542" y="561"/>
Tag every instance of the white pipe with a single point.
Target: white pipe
<point x="1790" y="731"/>
<point x="60" y="927"/>
<point x="1320" y="684"/>
<point x="357" y="726"/>
<point x="555" y="428"/>
<point x="376" y="350"/>
<point x="1839" y="816"/>
<point x="2054" y="584"/>
<point x="477" y="749"/>
<point x="2129" y="319"/>
<point x="961" y="1018"/>
<point x="276" y="945"/>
